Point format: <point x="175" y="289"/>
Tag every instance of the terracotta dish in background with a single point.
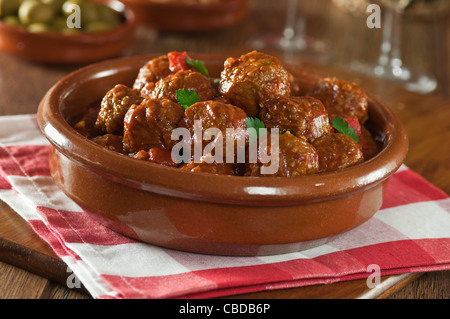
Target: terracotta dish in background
<point x="205" y="213"/>
<point x="59" y="48"/>
<point x="188" y="16"/>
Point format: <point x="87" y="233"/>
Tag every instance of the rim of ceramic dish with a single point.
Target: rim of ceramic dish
<point x="82" y="38"/>
<point x="261" y="191"/>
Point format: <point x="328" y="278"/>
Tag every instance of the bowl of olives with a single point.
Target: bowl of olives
<point x="65" y="31"/>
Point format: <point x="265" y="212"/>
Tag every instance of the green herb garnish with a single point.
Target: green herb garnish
<point x="187" y="97"/>
<point x="256" y="124"/>
<point x="341" y="126"/>
<point x="198" y="66"/>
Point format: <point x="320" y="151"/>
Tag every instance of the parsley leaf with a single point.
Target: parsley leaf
<point x="341" y="126"/>
<point x="198" y="66"/>
<point x="187" y="97"/>
<point x="256" y="124"/>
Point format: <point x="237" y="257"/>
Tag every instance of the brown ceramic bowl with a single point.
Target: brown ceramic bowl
<point x="186" y="16"/>
<point x="58" y="48"/>
<point x="199" y="212"/>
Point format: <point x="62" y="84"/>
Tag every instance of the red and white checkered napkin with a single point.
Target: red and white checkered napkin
<point x="411" y="233"/>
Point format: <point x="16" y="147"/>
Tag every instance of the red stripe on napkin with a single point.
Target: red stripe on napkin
<point x="406" y="187"/>
<point x="4" y="184"/>
<point x="8" y="165"/>
<point x="55" y="243"/>
<point x="77" y="227"/>
<point x="25" y="160"/>
<point x="392" y="257"/>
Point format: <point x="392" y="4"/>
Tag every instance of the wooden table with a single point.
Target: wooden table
<point x="28" y="267"/>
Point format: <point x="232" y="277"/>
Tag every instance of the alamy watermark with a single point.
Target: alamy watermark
<point x="72" y="280"/>
<point x="233" y="143"/>
<point x="374" y="279"/>
<point x="73" y="21"/>
<point x="374" y="18"/>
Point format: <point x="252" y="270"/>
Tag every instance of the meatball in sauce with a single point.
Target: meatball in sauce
<point x="151" y="72"/>
<point x="227" y="118"/>
<point x="342" y="98"/>
<point x="305" y="116"/>
<point x="187" y="80"/>
<point x="296" y="157"/>
<point x="253" y="78"/>
<point x="337" y="151"/>
<point x="150" y="124"/>
<point x="114" y="106"/>
<point x="217" y="113"/>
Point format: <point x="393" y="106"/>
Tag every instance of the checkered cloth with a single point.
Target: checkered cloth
<point x="411" y="233"/>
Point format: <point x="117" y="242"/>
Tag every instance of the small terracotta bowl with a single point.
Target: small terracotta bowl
<point x="189" y="17"/>
<point x="204" y="213"/>
<point x="58" y="48"/>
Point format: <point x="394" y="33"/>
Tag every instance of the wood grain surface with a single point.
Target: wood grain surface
<point x="28" y="267"/>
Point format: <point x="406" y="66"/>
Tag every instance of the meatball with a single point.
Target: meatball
<point x="212" y="168"/>
<point x="343" y="98"/>
<point x="152" y="71"/>
<point x="295" y="87"/>
<point x="367" y="144"/>
<point x="150" y="124"/>
<point x="305" y="116"/>
<point x="187" y="79"/>
<point x="337" y="151"/>
<point x="156" y="155"/>
<point x="114" y="106"/>
<point x="214" y="114"/>
<point x="110" y="141"/>
<point x="253" y="78"/>
<point x="295" y="157"/>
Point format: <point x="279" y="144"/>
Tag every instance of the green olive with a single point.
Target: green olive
<point x="45" y="15"/>
<point x="98" y="26"/>
<point x="56" y="4"/>
<point x="69" y="31"/>
<point x="59" y="24"/>
<point x="88" y="10"/>
<point x="89" y="13"/>
<point x="67" y="7"/>
<point x="9" y="7"/>
<point x="39" y="27"/>
<point x="33" y="11"/>
<point x="11" y="20"/>
<point x="109" y="15"/>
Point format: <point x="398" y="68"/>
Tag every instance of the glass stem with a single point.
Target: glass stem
<point x="291" y="17"/>
<point x="390" y="55"/>
<point x="396" y="58"/>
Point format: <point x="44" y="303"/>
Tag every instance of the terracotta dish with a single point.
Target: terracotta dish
<point x="206" y="213"/>
<point x="58" y="48"/>
<point x="187" y="16"/>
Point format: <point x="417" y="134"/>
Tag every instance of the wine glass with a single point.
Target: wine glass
<point x="390" y="64"/>
<point x="293" y="40"/>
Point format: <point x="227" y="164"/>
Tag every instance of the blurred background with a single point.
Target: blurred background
<point x="330" y="33"/>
